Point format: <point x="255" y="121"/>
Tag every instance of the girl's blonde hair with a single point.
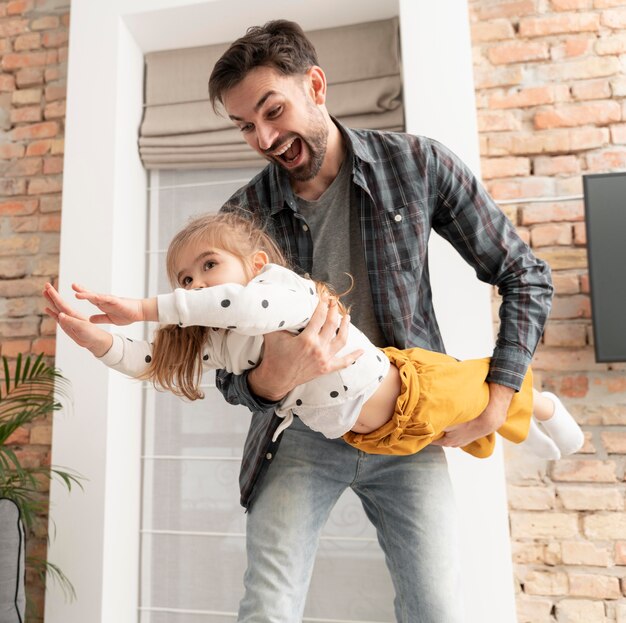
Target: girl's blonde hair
<point x="176" y="363"/>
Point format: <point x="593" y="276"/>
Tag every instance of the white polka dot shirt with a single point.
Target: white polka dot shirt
<point x="276" y="299"/>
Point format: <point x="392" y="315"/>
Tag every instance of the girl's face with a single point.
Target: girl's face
<point x="199" y="266"/>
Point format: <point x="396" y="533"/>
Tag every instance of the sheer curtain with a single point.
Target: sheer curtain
<point x="193" y="528"/>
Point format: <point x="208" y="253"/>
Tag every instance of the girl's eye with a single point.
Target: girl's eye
<point x="186" y="281"/>
<point x="208" y="265"/>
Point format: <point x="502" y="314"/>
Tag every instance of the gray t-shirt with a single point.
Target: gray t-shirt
<point x="338" y="248"/>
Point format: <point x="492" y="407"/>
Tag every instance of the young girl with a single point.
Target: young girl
<point x="232" y="287"/>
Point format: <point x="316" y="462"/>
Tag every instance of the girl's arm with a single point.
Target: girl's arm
<point x="75" y="325"/>
<point x="117" y="310"/>
<point x="274" y="300"/>
<point x="130" y="357"/>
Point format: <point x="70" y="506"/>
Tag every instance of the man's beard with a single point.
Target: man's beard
<point x="315" y="142"/>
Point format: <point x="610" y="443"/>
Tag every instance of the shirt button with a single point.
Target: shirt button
<point x="397" y="218"/>
<point x="305" y="228"/>
<point x="307" y="276"/>
<point x="268" y="456"/>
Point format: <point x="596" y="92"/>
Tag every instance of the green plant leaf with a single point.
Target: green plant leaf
<point x="18" y="367"/>
<point x="26" y="366"/>
<point x="47" y="570"/>
<point x="35" y="391"/>
<point x="7" y="375"/>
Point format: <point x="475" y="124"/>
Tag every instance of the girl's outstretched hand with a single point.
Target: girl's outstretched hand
<point x="115" y="310"/>
<point x="75" y="325"/>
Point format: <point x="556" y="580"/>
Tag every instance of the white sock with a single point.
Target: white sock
<point x="562" y="427"/>
<point x="540" y="444"/>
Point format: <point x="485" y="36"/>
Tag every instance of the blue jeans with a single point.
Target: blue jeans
<point x="408" y="499"/>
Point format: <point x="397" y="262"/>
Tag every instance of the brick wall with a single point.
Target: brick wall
<point x="551" y="99"/>
<point x="33" y="64"/>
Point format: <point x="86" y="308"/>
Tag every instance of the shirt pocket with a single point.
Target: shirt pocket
<point x="404" y="238"/>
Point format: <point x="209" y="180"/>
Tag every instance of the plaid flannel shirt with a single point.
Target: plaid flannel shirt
<point x="405" y="186"/>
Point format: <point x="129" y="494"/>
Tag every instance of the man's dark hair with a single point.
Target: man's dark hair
<point x="279" y="44"/>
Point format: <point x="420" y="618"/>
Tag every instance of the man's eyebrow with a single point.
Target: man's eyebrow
<point x="202" y="256"/>
<point x="258" y="105"/>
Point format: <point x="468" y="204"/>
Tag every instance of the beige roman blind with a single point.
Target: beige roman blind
<point x="180" y="130"/>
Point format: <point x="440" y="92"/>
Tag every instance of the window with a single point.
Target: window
<point x="193" y="528"/>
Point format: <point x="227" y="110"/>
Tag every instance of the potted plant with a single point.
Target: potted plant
<point x="31" y="392"/>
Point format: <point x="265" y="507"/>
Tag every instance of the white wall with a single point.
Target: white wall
<point x="439" y="99"/>
<point x="102" y="244"/>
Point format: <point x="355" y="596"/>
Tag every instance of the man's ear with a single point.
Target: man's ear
<point x="317" y="84"/>
<point x="259" y="259"/>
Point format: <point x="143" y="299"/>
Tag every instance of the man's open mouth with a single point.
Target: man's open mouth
<point x="290" y="152"/>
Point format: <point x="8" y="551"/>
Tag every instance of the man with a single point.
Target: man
<point x="359" y="202"/>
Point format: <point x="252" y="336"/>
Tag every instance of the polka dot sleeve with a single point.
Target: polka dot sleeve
<point x="128" y="356"/>
<point x="275" y="299"/>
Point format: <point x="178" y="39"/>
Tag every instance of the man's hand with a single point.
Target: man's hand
<point x="75" y="325"/>
<point x="291" y="360"/>
<point x="489" y="421"/>
<point x="117" y="310"/>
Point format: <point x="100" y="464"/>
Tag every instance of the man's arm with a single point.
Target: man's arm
<point x="290" y="360"/>
<point x="469" y="219"/>
<point x="293" y="360"/>
<point x="489" y="421"/>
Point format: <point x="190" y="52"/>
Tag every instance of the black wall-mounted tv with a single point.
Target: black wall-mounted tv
<point x="605" y="217"/>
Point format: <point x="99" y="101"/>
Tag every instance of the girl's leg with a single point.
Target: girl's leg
<point x="557" y="422"/>
<point x="540" y="444"/>
<point x="543" y="407"/>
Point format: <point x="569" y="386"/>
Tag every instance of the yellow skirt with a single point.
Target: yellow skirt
<point x="438" y="392"/>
